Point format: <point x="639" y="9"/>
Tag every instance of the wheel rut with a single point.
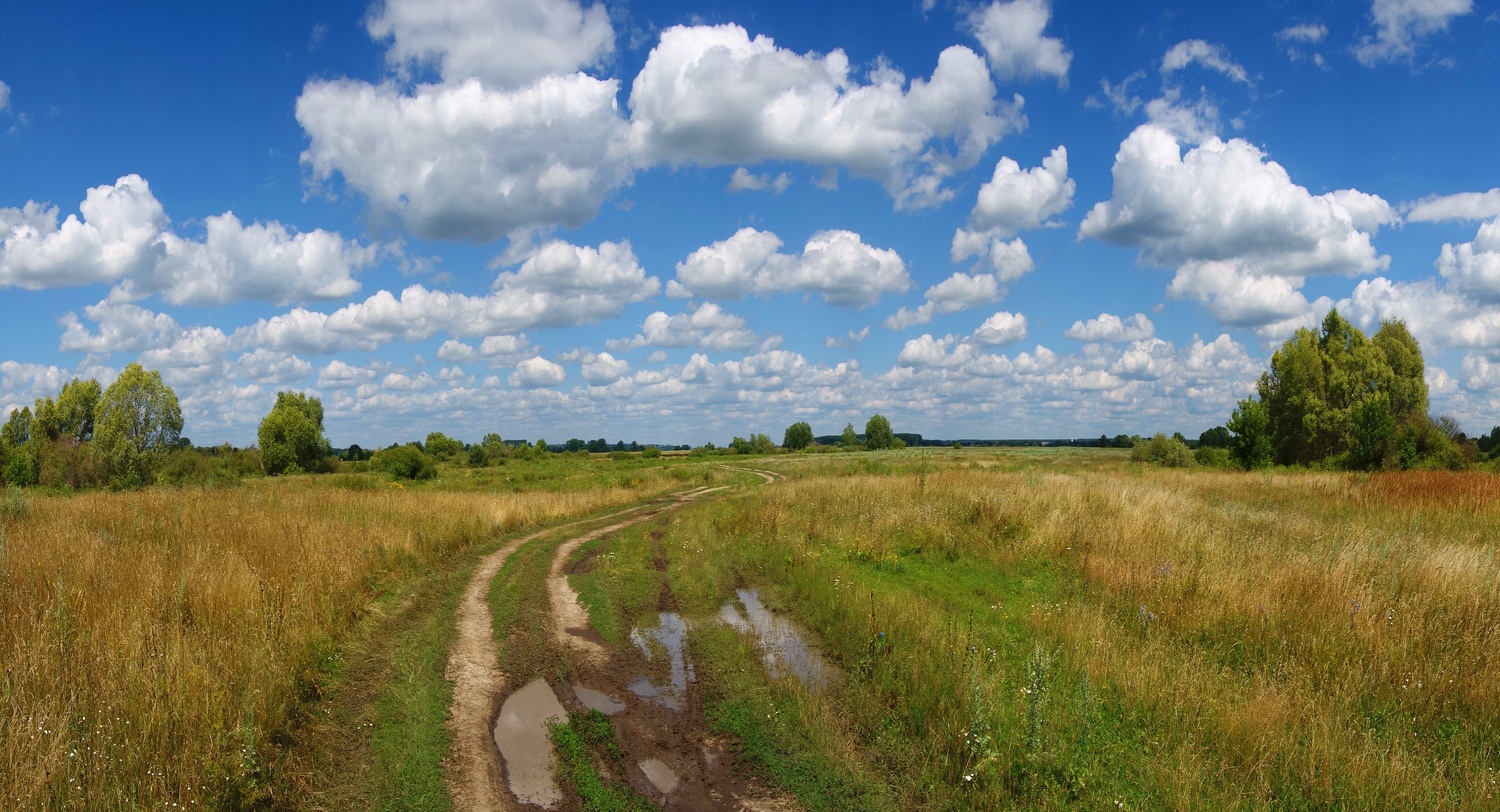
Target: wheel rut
<point x="476" y="773"/>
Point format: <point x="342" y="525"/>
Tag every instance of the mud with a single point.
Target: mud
<point x="570" y="620"/>
<point x="474" y="770"/>
<point x="521" y="736"/>
<point x="783" y="644"/>
<point x="670" y="756"/>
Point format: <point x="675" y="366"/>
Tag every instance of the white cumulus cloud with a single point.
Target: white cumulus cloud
<point x="559" y="285"/>
<point x="505" y="43"/>
<point x="837" y="265"/>
<point x="711" y="95"/>
<point x="536" y="373"/>
<point x="464" y="161"/>
<point x="1011" y="34"/>
<point x="123" y="235"/>
<point x="707" y="327"/>
<point x="1112" y="328"/>
<point x="1240" y="234"/>
<point x="1474" y="267"/>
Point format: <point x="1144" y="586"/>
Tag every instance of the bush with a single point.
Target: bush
<point x="14" y="503"/>
<point x="405" y="462"/>
<point x="1164" y="451"/>
<point x="620" y="456"/>
<point x="1213" y="456"/>
<point x="651" y="453"/>
<point x="1421" y="444"/>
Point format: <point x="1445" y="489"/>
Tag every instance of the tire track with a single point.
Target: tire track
<point x="474" y="770"/>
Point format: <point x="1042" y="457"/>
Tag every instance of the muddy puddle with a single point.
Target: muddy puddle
<point x="521" y="736"/>
<point x="660" y="775"/>
<point x="783" y="644"/>
<point x="598" y="700"/>
<point x="666" y="638"/>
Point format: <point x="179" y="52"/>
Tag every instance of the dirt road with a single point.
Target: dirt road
<point x="475" y="772"/>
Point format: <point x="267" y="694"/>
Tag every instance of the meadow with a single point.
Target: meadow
<point x="164" y="648"/>
<point x="1049" y="629"/>
<point x="1036" y="629"/>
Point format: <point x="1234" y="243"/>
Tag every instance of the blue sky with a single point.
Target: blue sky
<point x="677" y="223"/>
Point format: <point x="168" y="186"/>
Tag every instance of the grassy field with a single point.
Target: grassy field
<point x="1048" y="629"/>
<point x="1031" y="629"/>
<point x="164" y="648"/>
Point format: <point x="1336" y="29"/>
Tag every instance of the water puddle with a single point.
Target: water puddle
<point x="669" y="634"/>
<point x="521" y="736"/>
<point x="783" y="644"/>
<point x="660" y="774"/>
<point x="598" y="700"/>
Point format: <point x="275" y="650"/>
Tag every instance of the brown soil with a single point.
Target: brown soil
<point x="588" y="563"/>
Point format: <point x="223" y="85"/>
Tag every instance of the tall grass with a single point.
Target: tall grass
<point x="1053" y="633"/>
<point x="159" y="646"/>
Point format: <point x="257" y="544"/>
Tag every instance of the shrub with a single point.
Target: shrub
<point x="651" y="453"/>
<point x="1213" y="456"/>
<point x="1164" y="451"/>
<point x="14" y="503"/>
<point x="405" y="462"/>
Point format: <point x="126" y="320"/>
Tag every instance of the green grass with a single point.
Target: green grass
<point x="766" y="721"/>
<point x="410" y="736"/>
<point x="584" y="742"/>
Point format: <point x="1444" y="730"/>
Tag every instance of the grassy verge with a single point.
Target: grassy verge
<point x="381" y="737"/>
<point x="779" y="728"/>
<point x="585" y="743"/>
<point x="1025" y="632"/>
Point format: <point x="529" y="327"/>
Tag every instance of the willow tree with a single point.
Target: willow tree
<point x="291" y="436"/>
<point x="1335" y="394"/>
<point x="136" y="420"/>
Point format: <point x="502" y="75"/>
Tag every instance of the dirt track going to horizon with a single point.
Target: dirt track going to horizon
<point x="475" y="770"/>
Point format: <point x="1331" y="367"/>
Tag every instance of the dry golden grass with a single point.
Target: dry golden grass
<point x="156" y="645"/>
<point x="1256" y="639"/>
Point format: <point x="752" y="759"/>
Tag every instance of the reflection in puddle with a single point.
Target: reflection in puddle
<point x="521" y="736"/>
<point x="670" y="632"/>
<point x="660" y="774"/>
<point x="783" y="645"/>
<point x="598" y="700"/>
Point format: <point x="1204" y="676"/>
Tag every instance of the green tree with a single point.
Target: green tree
<point x="291" y="436"/>
<point x="136" y="420"/>
<point x="1295" y="393"/>
<point x="797" y="437"/>
<point x="1332" y="394"/>
<point x="1372" y="430"/>
<point x="1251" y="443"/>
<point x="762" y="444"/>
<point x="1216" y="437"/>
<point x="1408" y="385"/>
<point x="848" y="439"/>
<point x="17" y="464"/>
<point x="442" y="446"/>
<point x="878" y="434"/>
<point x="75" y="409"/>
